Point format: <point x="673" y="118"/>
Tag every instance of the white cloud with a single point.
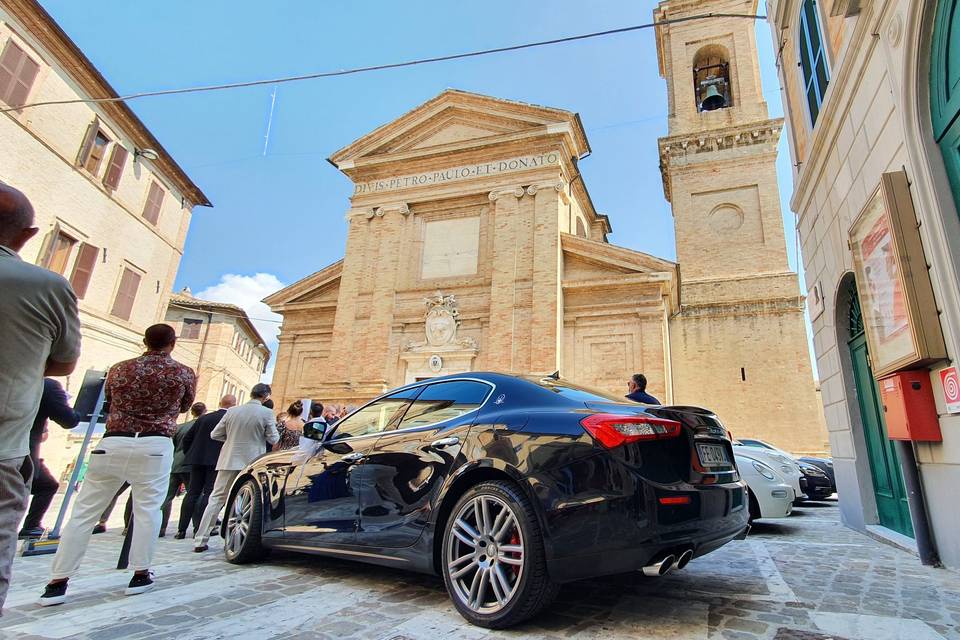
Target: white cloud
<point x="247" y="292"/>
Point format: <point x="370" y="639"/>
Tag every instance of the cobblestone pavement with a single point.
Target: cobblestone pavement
<point x="803" y="578"/>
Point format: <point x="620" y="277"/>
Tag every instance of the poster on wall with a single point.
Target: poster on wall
<point x="896" y="298"/>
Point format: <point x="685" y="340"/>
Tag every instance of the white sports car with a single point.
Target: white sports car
<point x="770" y="494"/>
<point x="785" y="466"/>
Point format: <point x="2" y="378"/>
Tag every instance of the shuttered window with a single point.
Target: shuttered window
<point x="126" y="294"/>
<point x="115" y="169"/>
<point x="191" y="329"/>
<point x="151" y="210"/>
<point x="60" y="249"/>
<point x="83" y="268"/>
<point x="17" y="73"/>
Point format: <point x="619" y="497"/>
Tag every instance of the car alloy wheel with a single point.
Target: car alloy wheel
<point x="485" y="554"/>
<point x="244" y="515"/>
<point x="238" y="522"/>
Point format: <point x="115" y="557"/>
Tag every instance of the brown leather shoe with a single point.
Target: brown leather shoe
<point x="200" y="549"/>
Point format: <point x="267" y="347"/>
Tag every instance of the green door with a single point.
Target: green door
<point x="884" y="467"/>
<point x="945" y="88"/>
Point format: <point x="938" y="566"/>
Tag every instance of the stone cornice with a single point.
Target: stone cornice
<point x="695" y="148"/>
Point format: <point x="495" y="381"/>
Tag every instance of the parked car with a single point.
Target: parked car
<point x="781" y="461"/>
<point x="814" y="483"/>
<point x="770" y="495"/>
<point x="506" y="486"/>
<point x="824" y="464"/>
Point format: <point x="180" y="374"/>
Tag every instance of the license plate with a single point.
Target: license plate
<point x="712" y="455"/>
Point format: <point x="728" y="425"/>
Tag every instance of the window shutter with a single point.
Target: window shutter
<point x="115" y="168"/>
<point x="9" y="63"/>
<point x="83" y="268"/>
<point x="17" y="73"/>
<point x="88" y="139"/>
<point x="126" y="294"/>
<point x="151" y="210"/>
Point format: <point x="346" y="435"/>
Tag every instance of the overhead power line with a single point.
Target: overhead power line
<point x="383" y="67"/>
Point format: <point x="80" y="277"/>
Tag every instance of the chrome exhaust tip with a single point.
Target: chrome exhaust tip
<point x="660" y="568"/>
<point x="683" y="560"/>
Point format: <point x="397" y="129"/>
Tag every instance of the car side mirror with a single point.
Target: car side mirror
<point x="339" y="448"/>
<point x="314" y="431"/>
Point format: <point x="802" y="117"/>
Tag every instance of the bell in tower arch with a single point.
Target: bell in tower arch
<point x="713" y="98"/>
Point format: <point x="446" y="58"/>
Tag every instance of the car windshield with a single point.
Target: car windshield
<point x="576" y="392"/>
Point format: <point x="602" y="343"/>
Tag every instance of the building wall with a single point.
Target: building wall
<point x="220" y="367"/>
<point x="38" y="152"/>
<point x="875" y="118"/>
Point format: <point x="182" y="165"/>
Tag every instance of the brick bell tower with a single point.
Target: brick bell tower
<point x="738" y="345"/>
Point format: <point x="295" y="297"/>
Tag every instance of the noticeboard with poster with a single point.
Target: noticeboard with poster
<point x="896" y="298"/>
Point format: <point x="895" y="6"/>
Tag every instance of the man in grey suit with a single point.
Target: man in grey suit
<point x="243" y="431"/>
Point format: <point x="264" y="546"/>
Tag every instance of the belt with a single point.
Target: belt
<point x="122" y="434"/>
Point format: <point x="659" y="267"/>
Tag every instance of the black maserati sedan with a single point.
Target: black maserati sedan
<point x="506" y="486"/>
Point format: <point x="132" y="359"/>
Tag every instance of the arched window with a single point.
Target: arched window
<point x="813" y="58"/>
<point x="711" y="78"/>
<point x="581" y="230"/>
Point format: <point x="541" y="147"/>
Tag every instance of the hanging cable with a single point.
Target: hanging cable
<point x="383" y="67"/>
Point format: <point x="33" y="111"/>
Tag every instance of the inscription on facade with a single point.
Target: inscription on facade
<point x="458" y="173"/>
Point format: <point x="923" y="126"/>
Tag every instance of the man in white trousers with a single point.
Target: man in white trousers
<point x="244" y="430"/>
<point x="146" y="395"/>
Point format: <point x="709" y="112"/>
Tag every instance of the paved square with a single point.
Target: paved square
<point x="803" y="578"/>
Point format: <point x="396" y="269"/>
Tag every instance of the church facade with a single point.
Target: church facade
<point x="473" y="245"/>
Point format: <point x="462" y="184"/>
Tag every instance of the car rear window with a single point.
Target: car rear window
<point x="576" y="392"/>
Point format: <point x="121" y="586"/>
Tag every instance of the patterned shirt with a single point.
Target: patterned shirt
<point x="146" y="394"/>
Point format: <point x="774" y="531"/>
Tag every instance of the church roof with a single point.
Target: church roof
<point x="305" y="286"/>
<point x="488" y="115"/>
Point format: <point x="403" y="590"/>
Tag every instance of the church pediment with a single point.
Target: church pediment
<point x="589" y="265"/>
<point x="458" y="119"/>
<point x="320" y="287"/>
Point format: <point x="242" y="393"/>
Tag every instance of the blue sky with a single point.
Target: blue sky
<point x="282" y="215"/>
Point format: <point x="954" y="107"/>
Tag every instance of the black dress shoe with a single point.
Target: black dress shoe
<point x="200" y="549"/>
<point x="179" y="535"/>
<point x="28" y="534"/>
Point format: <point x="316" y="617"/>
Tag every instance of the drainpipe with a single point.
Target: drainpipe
<point x="926" y="547"/>
<point x="203" y="345"/>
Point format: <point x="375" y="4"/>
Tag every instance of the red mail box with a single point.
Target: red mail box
<point x="908" y="407"/>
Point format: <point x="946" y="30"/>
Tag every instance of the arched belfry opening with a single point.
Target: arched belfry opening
<point x="711" y="78"/>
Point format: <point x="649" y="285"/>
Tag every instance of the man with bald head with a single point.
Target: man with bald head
<point x="40" y="337"/>
<point x="202" y="453"/>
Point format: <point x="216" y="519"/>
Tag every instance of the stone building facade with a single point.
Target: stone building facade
<point x="218" y="341"/>
<point x="113" y="207"/>
<point x="473" y="244"/>
<point x="871" y="89"/>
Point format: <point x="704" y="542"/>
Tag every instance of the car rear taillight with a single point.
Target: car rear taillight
<point x="612" y="430"/>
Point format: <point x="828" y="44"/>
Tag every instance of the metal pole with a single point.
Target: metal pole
<point x="124" y="560"/>
<point x="926" y="547"/>
<point x="68" y="494"/>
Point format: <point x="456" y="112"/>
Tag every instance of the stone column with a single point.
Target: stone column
<point x="499" y="345"/>
<point x="342" y="344"/>
<point x="546" y="313"/>
<point x="391" y="220"/>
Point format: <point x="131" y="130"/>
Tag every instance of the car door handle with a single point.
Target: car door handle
<point x="353" y="458"/>
<point x="444" y="442"/>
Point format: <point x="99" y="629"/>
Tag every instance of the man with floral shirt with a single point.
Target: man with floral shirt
<point x="146" y="395"/>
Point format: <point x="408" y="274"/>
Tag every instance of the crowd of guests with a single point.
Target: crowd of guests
<point x="143" y="446"/>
